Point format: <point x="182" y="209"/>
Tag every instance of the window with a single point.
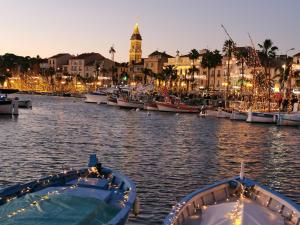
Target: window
<point x="79" y="68"/>
<point x="219" y="73"/>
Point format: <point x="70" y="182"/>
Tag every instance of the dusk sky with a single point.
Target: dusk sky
<point x="44" y="27"/>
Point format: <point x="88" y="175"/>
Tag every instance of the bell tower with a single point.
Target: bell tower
<point x="135" y="52"/>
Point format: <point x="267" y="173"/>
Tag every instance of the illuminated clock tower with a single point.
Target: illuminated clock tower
<point x="135" y="52"/>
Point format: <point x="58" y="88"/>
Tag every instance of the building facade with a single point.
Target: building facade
<point x="57" y="61"/>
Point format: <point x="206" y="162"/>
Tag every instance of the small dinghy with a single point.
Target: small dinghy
<point x="236" y="201"/>
<point x="95" y="195"/>
<point x="27" y="104"/>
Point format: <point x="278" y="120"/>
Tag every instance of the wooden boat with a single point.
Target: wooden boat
<point x="260" y="117"/>
<point x="176" y="107"/>
<point x="131" y="104"/>
<point x="288" y="119"/>
<point x="235" y="201"/>
<point x="239" y="115"/>
<point x="95" y="195"/>
<point x="151" y="106"/>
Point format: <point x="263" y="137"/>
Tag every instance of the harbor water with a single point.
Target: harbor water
<point x="166" y="155"/>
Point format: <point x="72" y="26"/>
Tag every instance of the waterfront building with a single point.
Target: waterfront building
<point x="156" y="60"/>
<point x="57" y="61"/>
<point x="91" y="65"/>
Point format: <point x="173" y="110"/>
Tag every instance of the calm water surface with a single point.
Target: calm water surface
<point x="167" y="156"/>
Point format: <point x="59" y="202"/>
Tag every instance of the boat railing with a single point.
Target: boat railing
<point x="278" y="203"/>
<point x="192" y="203"/>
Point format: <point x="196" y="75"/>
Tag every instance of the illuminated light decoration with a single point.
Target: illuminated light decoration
<point x="224" y="84"/>
<point x="296" y="91"/>
<point x="277" y="87"/>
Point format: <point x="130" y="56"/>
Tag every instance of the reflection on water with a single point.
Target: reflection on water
<point x="167" y="156"/>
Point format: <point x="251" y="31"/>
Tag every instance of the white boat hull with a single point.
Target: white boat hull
<point x="131" y="105"/>
<point x="259" y="117"/>
<point x="98" y="99"/>
<point x="6" y="109"/>
<point x="112" y="103"/>
<point x="223" y="114"/>
<point x="213" y="113"/>
<point x="288" y="119"/>
<point x="235" y="115"/>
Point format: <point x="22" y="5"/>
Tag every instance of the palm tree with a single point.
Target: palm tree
<point x="170" y="73"/>
<point x="267" y="53"/>
<point x="207" y="62"/>
<point x="228" y="49"/>
<point x="160" y="77"/>
<point x="242" y="55"/>
<point x="217" y="60"/>
<point x="147" y="72"/>
<point x="193" y="55"/>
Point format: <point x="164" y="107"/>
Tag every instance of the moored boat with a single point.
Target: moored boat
<point x="95" y="195"/>
<point x="223" y="113"/>
<point x="131" y="104"/>
<point x="98" y="97"/>
<point x="25" y="104"/>
<point x="238" y="115"/>
<point x="151" y="106"/>
<point x="176" y="107"/>
<point x="211" y="112"/>
<point x="234" y="201"/>
<point x="288" y="119"/>
<point x="260" y="117"/>
<point x="8" y="106"/>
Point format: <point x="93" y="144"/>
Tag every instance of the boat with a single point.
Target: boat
<point x="98" y="97"/>
<point x="25" y="104"/>
<point x="150" y="106"/>
<point x="211" y="112"/>
<point x="238" y="115"/>
<point x="176" y="107"/>
<point x="129" y="103"/>
<point x="260" y="117"/>
<point x="112" y="101"/>
<point x="288" y="119"/>
<point x="224" y="113"/>
<point x="8" y="106"/>
<point x="93" y="195"/>
<point x="234" y="201"/>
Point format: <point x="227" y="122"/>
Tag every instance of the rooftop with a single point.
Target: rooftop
<point x="60" y="55"/>
<point x="164" y="54"/>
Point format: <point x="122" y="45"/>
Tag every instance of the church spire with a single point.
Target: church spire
<point x="135" y="52"/>
<point x="136" y="33"/>
<point x="136" y="29"/>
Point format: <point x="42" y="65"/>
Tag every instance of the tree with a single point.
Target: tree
<point x="147" y="72"/>
<point x="242" y="54"/>
<point x="207" y="62"/>
<point x="170" y="73"/>
<point x="266" y="54"/>
<point x="217" y="60"/>
<point x="193" y="55"/>
<point x="228" y="49"/>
